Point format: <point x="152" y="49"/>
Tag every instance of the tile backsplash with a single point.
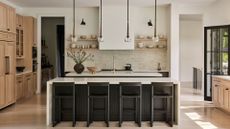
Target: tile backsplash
<point x="141" y="60"/>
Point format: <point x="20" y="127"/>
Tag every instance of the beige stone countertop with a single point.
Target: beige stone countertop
<point x="112" y="80"/>
<point x="22" y="73"/>
<point x="222" y="77"/>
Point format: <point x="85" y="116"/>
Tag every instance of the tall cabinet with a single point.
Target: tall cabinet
<point x="7" y="55"/>
<point x="217" y="53"/>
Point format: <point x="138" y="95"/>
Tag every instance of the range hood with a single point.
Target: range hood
<point x="115" y="29"/>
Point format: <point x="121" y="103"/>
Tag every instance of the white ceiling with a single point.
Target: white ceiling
<point x="92" y="3"/>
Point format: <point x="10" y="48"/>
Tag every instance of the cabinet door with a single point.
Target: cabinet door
<point x="2" y="74"/>
<point x="35" y="32"/>
<point x="19" y="21"/>
<point x="10" y="72"/>
<point x="226" y="98"/>
<point x="3" y="17"/>
<point x="10" y="89"/>
<point x="221" y="96"/>
<point x="28" y="85"/>
<point x="19" y="87"/>
<point x="216" y="94"/>
<point x="11" y="19"/>
<point x="35" y="82"/>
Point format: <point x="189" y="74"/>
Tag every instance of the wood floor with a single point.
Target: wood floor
<point x="195" y="114"/>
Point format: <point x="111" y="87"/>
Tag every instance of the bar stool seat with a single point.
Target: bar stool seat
<point x="98" y="90"/>
<point x="59" y="95"/>
<point x="130" y="90"/>
<point x="166" y="92"/>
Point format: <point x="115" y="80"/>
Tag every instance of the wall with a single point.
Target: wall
<point x="191" y="48"/>
<point x="141" y="17"/>
<point x="49" y="34"/>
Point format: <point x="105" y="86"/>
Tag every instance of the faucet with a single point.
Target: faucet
<point x="114" y="66"/>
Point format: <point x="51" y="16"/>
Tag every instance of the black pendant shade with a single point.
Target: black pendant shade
<point x="83" y="22"/>
<point x="150" y="23"/>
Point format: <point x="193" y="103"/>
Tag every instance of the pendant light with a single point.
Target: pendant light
<point x="83" y="23"/>
<point x="100" y="37"/>
<point x="155" y="36"/>
<point x="127" y="38"/>
<point x="73" y="36"/>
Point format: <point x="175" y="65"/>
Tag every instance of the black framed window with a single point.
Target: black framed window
<point x="217" y="55"/>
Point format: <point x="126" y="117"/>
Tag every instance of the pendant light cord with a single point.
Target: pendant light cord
<point x="128" y="19"/>
<point x="155" y="25"/>
<point x="101" y="18"/>
<point x="74" y="11"/>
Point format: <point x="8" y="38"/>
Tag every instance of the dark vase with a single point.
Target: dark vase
<point x="79" y="68"/>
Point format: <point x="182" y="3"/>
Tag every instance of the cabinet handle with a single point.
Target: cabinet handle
<point x="8" y="29"/>
<point x="7" y="65"/>
<point x="227" y="89"/>
<point x="216" y="85"/>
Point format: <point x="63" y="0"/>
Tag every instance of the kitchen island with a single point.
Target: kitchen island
<point x="81" y="96"/>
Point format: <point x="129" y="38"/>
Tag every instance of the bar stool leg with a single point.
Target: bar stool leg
<point x="136" y="110"/>
<point x="108" y="112"/>
<point x="152" y="110"/>
<point x="140" y="111"/>
<point x="121" y="112"/>
<point x="88" y="112"/>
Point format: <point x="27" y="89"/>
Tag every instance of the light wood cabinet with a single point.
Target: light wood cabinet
<point x="8" y="18"/>
<point x="221" y="93"/>
<point x="11" y="19"/>
<point x="19" y="21"/>
<point x="28" y="85"/>
<point x="19" y="87"/>
<point x="2" y="74"/>
<point x="7" y="73"/>
<point x="3" y="17"/>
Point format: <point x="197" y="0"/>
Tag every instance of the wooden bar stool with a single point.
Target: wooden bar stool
<point x="61" y="92"/>
<point x="98" y="90"/>
<point x="130" y="90"/>
<point x="165" y="91"/>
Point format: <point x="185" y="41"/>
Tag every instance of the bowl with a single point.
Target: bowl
<point x="140" y="45"/>
<point x="92" y="69"/>
<point x="93" y="46"/>
<point x="93" y="36"/>
<point x="83" y="37"/>
<point x="20" y="69"/>
<point x="141" y="36"/>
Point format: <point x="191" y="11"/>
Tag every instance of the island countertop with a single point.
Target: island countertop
<point x="112" y="80"/>
<point x="115" y="74"/>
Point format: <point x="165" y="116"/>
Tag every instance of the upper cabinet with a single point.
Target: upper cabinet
<point x="19" y="21"/>
<point x="8" y="16"/>
<point x="115" y="29"/>
<point x="3" y="17"/>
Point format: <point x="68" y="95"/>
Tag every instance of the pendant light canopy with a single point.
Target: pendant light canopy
<point x="73" y="36"/>
<point x="155" y="36"/>
<point x="127" y="38"/>
<point x="100" y="37"/>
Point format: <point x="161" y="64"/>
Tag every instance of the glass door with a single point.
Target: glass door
<point x="216" y="56"/>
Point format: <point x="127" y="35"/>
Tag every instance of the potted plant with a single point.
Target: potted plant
<point x="79" y="57"/>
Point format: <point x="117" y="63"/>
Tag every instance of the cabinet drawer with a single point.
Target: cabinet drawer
<point x="3" y="36"/>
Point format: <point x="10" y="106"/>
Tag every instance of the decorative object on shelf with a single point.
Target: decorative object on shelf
<point x="141" y="45"/>
<point x="79" y="57"/>
<point x="159" y="66"/>
<point x="100" y="37"/>
<point x="73" y="37"/>
<point x="92" y="69"/>
<point x="150" y="22"/>
<point x="127" y="38"/>
<point x="83" y="37"/>
<point x="83" y="22"/>
<point x="155" y="37"/>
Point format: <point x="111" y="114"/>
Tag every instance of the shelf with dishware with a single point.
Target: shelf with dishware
<point x="147" y="43"/>
<point x="87" y="38"/>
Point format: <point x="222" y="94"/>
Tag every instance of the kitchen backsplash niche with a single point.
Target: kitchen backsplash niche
<point x="141" y="60"/>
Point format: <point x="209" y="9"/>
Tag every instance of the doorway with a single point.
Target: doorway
<point x="191" y="54"/>
<point x="52" y="48"/>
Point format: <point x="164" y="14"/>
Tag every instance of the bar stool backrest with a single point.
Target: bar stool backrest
<point x="162" y="88"/>
<point x="130" y="88"/>
<point x="63" y="88"/>
<point x="98" y="88"/>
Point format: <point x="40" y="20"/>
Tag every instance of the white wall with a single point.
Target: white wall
<point x="191" y="48"/>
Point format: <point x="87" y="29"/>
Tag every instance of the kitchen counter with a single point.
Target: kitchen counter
<point x="222" y="77"/>
<point x="24" y="72"/>
<point x="114" y="81"/>
<point x="115" y="74"/>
